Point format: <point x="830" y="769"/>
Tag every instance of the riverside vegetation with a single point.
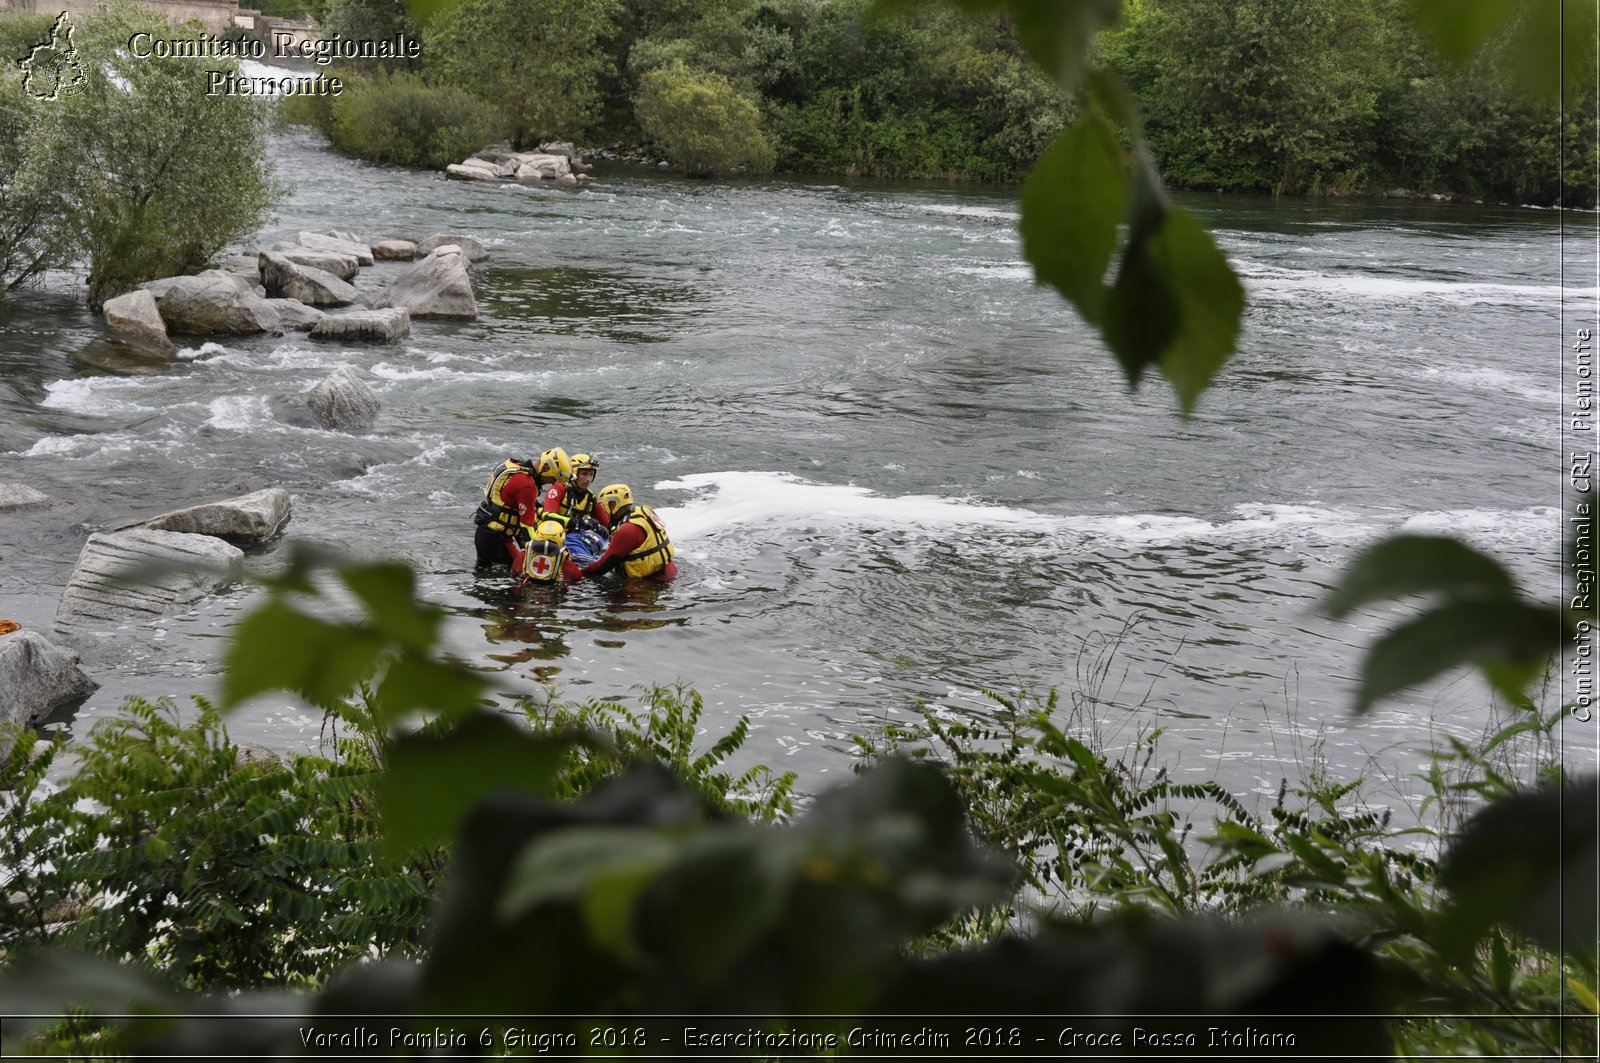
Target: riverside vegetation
<point x="601" y="865"/>
<point x="1282" y="96"/>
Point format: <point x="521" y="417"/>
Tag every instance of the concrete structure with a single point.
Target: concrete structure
<point x="219" y="17"/>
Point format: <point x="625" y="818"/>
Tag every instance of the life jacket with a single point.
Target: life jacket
<point x="493" y="513"/>
<point x="542" y="562"/>
<point x="576" y="503"/>
<point x="652" y="555"/>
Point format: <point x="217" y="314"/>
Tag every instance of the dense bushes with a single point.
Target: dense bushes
<point x="702" y="123"/>
<point x="396" y="118"/>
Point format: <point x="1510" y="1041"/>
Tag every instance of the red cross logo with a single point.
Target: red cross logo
<point x="540" y="566"/>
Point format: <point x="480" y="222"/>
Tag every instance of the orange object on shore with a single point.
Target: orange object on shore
<point x="8" y="626"/>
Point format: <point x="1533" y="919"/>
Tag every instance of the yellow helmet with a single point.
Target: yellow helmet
<point x="584" y="461"/>
<point x="550" y="531"/>
<point x="614" y="497"/>
<point x="554" y="465"/>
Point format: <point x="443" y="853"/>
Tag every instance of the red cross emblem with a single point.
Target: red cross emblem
<point x="540" y="566"/>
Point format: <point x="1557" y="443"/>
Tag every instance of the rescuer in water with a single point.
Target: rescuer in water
<point x="639" y="542"/>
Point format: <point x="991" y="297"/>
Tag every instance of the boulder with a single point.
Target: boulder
<point x="347" y="235"/>
<point x="342" y="266"/>
<point x="312" y="286"/>
<point x="539" y="167"/>
<point x="563" y="148"/>
<point x="136" y="318"/>
<point x="244" y="265"/>
<point x="36" y="678"/>
<point x="252" y="518"/>
<point x="320" y="242"/>
<point x="568" y="179"/>
<point x="296" y="316"/>
<point x="20" y="498"/>
<point x="469" y="247"/>
<point x="473" y="170"/>
<point x="344" y="402"/>
<point x="437" y="286"/>
<point x="214" y="302"/>
<point x="394" y="250"/>
<point x="142" y="573"/>
<point x="379" y="326"/>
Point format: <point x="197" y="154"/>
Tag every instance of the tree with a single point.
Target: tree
<point x="33" y="235"/>
<point x="155" y="176"/>
<point x="702" y="122"/>
<point x="538" y="61"/>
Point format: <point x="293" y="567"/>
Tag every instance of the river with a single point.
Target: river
<point x="897" y="470"/>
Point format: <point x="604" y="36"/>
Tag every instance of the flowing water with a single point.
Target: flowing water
<point x="897" y="471"/>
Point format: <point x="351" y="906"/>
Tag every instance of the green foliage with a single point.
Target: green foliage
<point x="33" y="234"/>
<point x="144" y="195"/>
<point x="538" y="62"/>
<point x="372" y="20"/>
<point x="1478" y="617"/>
<point x="173" y="850"/>
<point x="702" y="122"/>
<point x="397" y="118"/>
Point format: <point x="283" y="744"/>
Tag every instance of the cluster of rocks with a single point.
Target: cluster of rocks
<point x="558" y="161"/>
<point x="152" y="568"/>
<point x="302" y="287"/>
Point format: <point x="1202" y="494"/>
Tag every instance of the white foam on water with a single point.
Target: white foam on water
<point x="776" y="504"/>
<point x="97" y="395"/>
<point x="1278" y="282"/>
<point x="403" y="374"/>
<point x="209" y="349"/>
<point x="239" y="412"/>
<point x="969" y="212"/>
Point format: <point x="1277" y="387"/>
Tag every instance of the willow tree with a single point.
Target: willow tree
<point x="539" y="62"/>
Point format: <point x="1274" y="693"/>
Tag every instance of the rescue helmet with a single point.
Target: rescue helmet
<point x="554" y="465"/>
<point x="614" y="497"/>
<point x="550" y="531"/>
<point x="584" y="461"/>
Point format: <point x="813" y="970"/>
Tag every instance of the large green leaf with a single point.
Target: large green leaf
<point x="1418" y="564"/>
<point x="1529" y="862"/>
<point x="1176" y="303"/>
<point x="1458" y="28"/>
<point x="277" y="647"/>
<point x="1070" y="206"/>
<point x="432" y="781"/>
<point x="1508" y="639"/>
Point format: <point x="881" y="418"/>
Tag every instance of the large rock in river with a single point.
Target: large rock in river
<point x="469" y="247"/>
<point x="375" y="326"/>
<point x="344" y="402"/>
<point x="296" y="316"/>
<point x="213" y="303"/>
<point x="344" y="267"/>
<point x="141" y="574"/>
<point x="321" y="242"/>
<point x="437" y="286"/>
<point x="314" y="287"/>
<point x="36" y="678"/>
<point x="252" y="518"/>
<point x="136" y="318"/>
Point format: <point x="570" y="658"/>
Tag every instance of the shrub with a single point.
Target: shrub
<point x="397" y="118"/>
<point x="702" y="122"/>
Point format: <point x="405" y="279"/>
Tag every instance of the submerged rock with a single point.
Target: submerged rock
<point x="344" y="402"/>
<point x="252" y="518"/>
<point x="36" y="678"/>
<point x="141" y="574"/>
<point x="20" y="498"/>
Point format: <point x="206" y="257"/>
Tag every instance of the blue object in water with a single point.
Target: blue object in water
<point x="585" y="546"/>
